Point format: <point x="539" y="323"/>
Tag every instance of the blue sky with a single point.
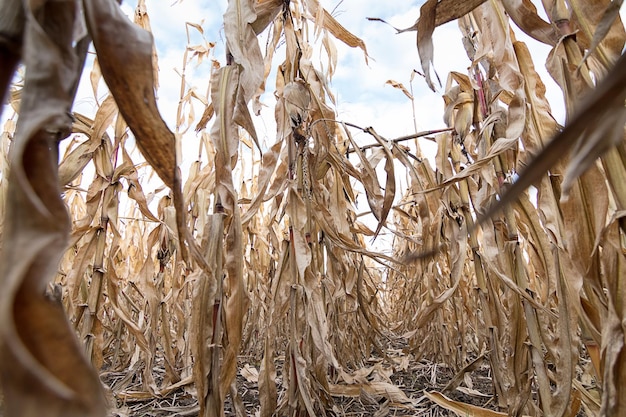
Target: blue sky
<point x="358" y="86"/>
<point x="363" y="97"/>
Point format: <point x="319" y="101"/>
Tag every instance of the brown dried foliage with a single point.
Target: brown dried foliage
<point x="263" y="257"/>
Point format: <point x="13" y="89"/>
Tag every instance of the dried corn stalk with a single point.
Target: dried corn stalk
<point x="279" y="265"/>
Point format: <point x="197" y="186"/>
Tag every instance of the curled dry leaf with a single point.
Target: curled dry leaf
<point x="606" y="24"/>
<point x="599" y="114"/>
<point x="613" y="346"/>
<point x="43" y="369"/>
<point x="226" y="94"/>
<point x="126" y="61"/>
<point x="244" y="47"/>
<point x="600" y="30"/>
<point x="425" y="29"/>
<point x="534" y="276"/>
<point x="401" y="87"/>
<point x="376" y="389"/>
<point x="524" y="14"/>
<point x="297" y="99"/>
<point x="325" y="20"/>
<point x="369" y="179"/>
<point x="432" y="14"/>
<point x="461" y="409"/>
<point x="125" y="57"/>
<point x="447" y="11"/>
<point x="390" y="183"/>
<point x="266" y="11"/>
<point x="12" y="21"/>
<point x="74" y="163"/>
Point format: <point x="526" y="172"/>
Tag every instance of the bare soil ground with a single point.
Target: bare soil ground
<point x="413" y="381"/>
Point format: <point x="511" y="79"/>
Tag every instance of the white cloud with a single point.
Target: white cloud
<point x="363" y="97"/>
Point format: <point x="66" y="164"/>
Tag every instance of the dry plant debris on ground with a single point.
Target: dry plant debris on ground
<point x="417" y="378"/>
<point x="167" y="284"/>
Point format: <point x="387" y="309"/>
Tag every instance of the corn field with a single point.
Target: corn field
<point x="127" y="280"/>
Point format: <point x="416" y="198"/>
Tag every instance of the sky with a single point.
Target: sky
<point x="363" y="98"/>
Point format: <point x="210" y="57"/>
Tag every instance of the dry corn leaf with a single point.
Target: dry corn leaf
<point x="73" y="164"/>
<point x="125" y="53"/>
<point x="459" y="377"/>
<point x="425" y="28"/>
<point x="325" y="20"/>
<point x="390" y="182"/>
<point x="524" y="14"/>
<point x="224" y="92"/>
<point x="461" y="409"/>
<point x="244" y="47"/>
<point x="268" y="393"/>
<point x="541" y="125"/>
<point x="376" y="389"/>
<point x="369" y="179"/>
<point x="339" y="32"/>
<point x="608" y="22"/>
<point x="142" y="19"/>
<point x="207" y="320"/>
<point x="613" y="335"/>
<point x="128" y="64"/>
<point x="135" y="191"/>
<point x="12" y="22"/>
<point x="43" y="369"/>
<point x="604" y="110"/>
<point x="597" y="19"/>
<point x="401" y="87"/>
<point x="95" y="75"/>
<point x="250" y="373"/>
<point x="448" y="10"/>
<point x="268" y="167"/>
<point x="434" y="13"/>
<point x="266" y="11"/>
